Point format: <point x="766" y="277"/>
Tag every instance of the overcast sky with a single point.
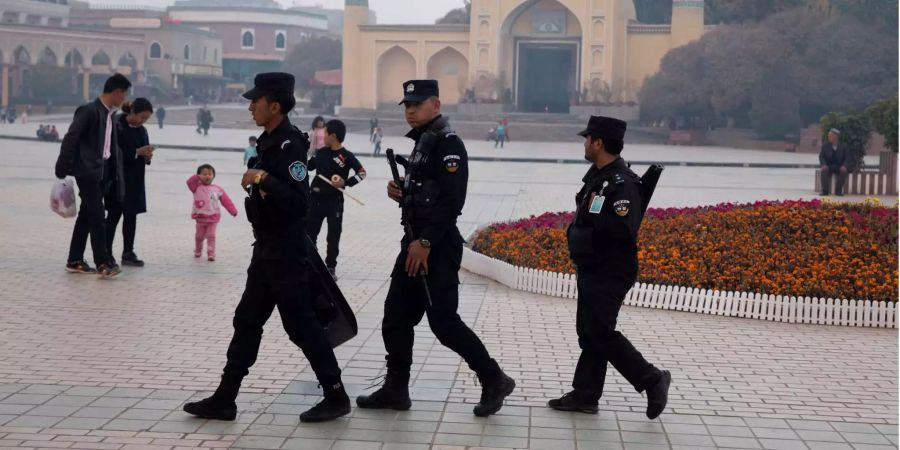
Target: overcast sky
<point x="388" y="11"/>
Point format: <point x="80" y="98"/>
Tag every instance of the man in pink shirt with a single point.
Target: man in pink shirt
<point x="89" y="153"/>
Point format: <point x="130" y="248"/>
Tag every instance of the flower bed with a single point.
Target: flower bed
<point x="796" y="248"/>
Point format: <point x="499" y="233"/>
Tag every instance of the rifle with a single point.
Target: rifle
<point x="407" y="228"/>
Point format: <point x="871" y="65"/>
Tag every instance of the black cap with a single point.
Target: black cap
<point x="419" y="90"/>
<point x="605" y="127"/>
<point x="271" y="83"/>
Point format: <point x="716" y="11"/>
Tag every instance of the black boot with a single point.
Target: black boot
<point x="393" y="395"/>
<point x="658" y="395"/>
<point x="220" y="405"/>
<point x="131" y="259"/>
<point x="494" y="389"/>
<point x="336" y="404"/>
<point x="212" y="408"/>
<point x="573" y="401"/>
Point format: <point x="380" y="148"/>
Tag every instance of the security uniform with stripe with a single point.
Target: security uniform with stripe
<point x="434" y="193"/>
<point x="603" y="245"/>
<point x="327" y="203"/>
<point x="278" y="272"/>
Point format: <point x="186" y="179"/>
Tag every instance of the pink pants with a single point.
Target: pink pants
<point x="205" y="230"/>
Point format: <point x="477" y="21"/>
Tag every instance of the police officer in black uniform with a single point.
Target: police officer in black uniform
<point x="433" y="195"/>
<point x="278" y="274"/>
<point x="603" y="245"/>
<point x="334" y="163"/>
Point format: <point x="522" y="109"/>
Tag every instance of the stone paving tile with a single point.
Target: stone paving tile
<point x="128" y="383"/>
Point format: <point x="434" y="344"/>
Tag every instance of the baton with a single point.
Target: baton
<point x="342" y="191"/>
<point x="407" y="228"/>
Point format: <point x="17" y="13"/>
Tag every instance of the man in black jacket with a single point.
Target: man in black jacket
<point x="278" y="272"/>
<point x="89" y="153"/>
<point x="433" y="196"/>
<point x="603" y="245"/>
<point x="833" y="158"/>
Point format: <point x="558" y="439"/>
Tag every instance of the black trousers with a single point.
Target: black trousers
<point x="599" y="299"/>
<point x="114" y="212"/>
<point x="282" y="283"/>
<point x="330" y="208"/>
<point x="406" y="304"/>
<point x="90" y="222"/>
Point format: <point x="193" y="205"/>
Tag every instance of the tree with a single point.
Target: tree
<point x="833" y="64"/>
<point x="679" y="89"/>
<point x="775" y="110"/>
<point x="883" y="118"/>
<point x="744" y="11"/>
<point x="855" y="133"/>
<point x="457" y="16"/>
<point x="310" y="55"/>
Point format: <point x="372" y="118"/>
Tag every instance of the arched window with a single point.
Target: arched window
<point x="187" y="52"/>
<point x="280" y="40"/>
<point x="155" y="50"/>
<point x="247" y="39"/>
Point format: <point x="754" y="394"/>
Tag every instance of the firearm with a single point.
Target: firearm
<point x="407" y="228"/>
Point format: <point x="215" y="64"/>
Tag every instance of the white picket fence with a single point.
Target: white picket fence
<point x="854" y="313"/>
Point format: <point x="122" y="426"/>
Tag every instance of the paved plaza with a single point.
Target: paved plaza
<point x="93" y="364"/>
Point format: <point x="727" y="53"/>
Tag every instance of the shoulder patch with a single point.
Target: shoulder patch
<point x="451" y="163"/>
<point x="297" y="170"/>
<point x="286" y="142"/>
<point x="622" y="207"/>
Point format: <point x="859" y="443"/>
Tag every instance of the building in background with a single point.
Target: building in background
<point x="533" y="55"/>
<point x="44" y="61"/>
<point x="256" y="34"/>
<point x="335" y="18"/>
<point x="181" y="61"/>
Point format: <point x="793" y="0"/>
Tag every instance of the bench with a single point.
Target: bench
<point x="862" y="183"/>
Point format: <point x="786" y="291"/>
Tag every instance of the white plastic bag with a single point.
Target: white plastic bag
<point x="62" y="198"/>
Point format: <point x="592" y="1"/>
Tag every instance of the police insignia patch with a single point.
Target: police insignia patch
<point x="622" y="207"/>
<point x="451" y="163"/>
<point x="297" y="170"/>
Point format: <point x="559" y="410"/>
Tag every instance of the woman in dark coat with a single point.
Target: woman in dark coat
<point x="136" y="154"/>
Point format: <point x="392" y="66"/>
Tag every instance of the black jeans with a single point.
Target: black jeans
<point x="129" y="227"/>
<point x="406" y="304"/>
<point x="90" y="221"/>
<point x="600" y="297"/>
<point x="330" y="208"/>
<point x="282" y="283"/>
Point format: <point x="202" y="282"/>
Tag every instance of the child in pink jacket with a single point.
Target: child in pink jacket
<point x="205" y="211"/>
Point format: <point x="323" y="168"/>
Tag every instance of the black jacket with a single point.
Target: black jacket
<point x="603" y="233"/>
<point x="277" y="207"/>
<point x="438" y="176"/>
<point x="130" y="139"/>
<point x="81" y="152"/>
<point x="830" y="157"/>
<point x="327" y="163"/>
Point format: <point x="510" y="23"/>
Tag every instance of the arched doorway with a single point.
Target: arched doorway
<point x="451" y="69"/>
<point x="21" y="65"/>
<point x="394" y="67"/>
<point x="541" y="49"/>
<point x="74" y="62"/>
<point x="127" y="65"/>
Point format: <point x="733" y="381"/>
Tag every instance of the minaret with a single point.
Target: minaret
<point x="687" y="22"/>
<point x="356" y="13"/>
